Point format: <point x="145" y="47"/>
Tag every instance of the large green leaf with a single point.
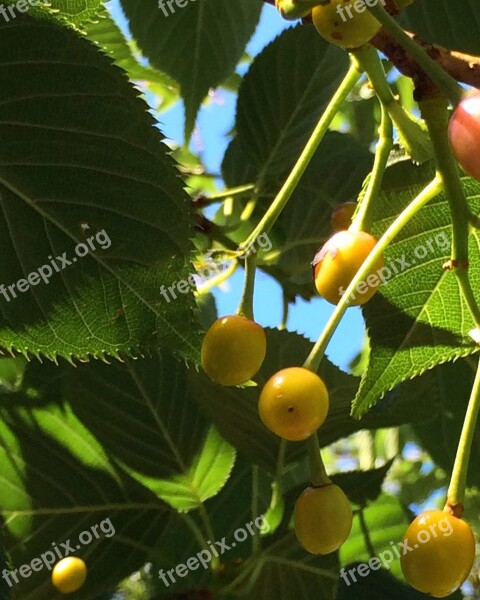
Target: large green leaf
<point x="69" y="12"/>
<point x="158" y="435"/>
<point x="104" y="441"/>
<point x="285" y="570"/>
<point x="199" y="44"/>
<point x="239" y="506"/>
<point x="107" y="34"/>
<point x="419" y="318"/>
<point x="77" y="11"/>
<point x="80" y="157"/>
<point x="450" y="386"/>
<point x="451" y="24"/>
<point x="57" y="483"/>
<point x="280" y="100"/>
<point x="372" y="585"/>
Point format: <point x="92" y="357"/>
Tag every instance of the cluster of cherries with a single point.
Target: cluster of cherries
<point x="294" y="402"/>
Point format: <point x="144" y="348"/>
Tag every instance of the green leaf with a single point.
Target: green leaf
<point x="239" y="506"/>
<point x="58" y="483"/>
<point x="285" y="570"/>
<point x="386" y="522"/>
<point x="281" y="99"/>
<point x="77" y="12"/>
<point x="198" y="45"/>
<point x="5" y="564"/>
<point x="159" y="436"/>
<point x="106" y="33"/>
<point x="362" y="487"/>
<point x="455" y="26"/>
<point x="449" y="389"/>
<point x="373" y="586"/>
<point x="419" y="318"/>
<point x="80" y="157"/>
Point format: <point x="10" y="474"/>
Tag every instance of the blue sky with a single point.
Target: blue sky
<point x="211" y="137"/>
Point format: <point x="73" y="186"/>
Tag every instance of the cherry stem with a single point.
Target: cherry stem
<point x="318" y="473"/>
<point x="246" y="303"/>
<point x="283" y="196"/>
<point x="413" y="136"/>
<point x="458" y="481"/>
<point x="384" y="147"/>
<point x="435" y="113"/>
<point x="218" y="279"/>
<point x="441" y="78"/>
<point x="241" y="190"/>
<point x="431" y="190"/>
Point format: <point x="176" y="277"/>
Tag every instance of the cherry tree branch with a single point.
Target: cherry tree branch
<point x="461" y="66"/>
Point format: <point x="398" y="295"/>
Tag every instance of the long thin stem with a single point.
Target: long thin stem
<point x="218" y="279"/>
<point x="384" y="147"/>
<point x="255" y="511"/>
<point x="241" y="190"/>
<point x="458" y="481"/>
<point x="246" y="303"/>
<point x="435" y="113"/>
<point x="318" y="473"/>
<point x="440" y="77"/>
<point x="197" y="533"/>
<point x="314" y="358"/>
<point x="412" y="135"/>
<point x="366" y="533"/>
<point x="283" y="196"/>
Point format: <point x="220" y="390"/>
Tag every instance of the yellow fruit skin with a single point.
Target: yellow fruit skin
<point x="323" y="519"/>
<point x="294" y="403"/>
<point x="69" y="574"/>
<point x="440" y="565"/>
<point x="233" y="350"/>
<point x="348" y="32"/>
<point x="338" y="261"/>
